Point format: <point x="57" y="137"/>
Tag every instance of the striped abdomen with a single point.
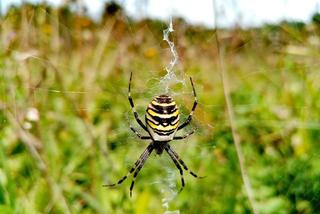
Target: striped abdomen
<point x="162" y="118"/>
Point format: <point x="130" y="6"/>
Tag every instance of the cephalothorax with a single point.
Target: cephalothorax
<point x="162" y="123"/>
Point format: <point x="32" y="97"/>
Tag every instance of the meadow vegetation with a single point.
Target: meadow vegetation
<point x="64" y="114"/>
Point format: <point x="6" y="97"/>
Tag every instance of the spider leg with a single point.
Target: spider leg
<point x="139" y="135"/>
<point x="143" y="160"/>
<point x="184" y="136"/>
<point x="172" y="156"/>
<point x="181" y="162"/>
<point x="145" y="153"/>
<point x="132" y="106"/>
<point x="195" y="103"/>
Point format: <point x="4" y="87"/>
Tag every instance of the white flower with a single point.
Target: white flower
<point x="32" y="114"/>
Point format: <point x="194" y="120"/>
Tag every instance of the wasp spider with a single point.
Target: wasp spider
<point x="162" y="123"/>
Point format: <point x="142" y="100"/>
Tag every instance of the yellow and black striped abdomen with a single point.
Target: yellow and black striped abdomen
<point x="162" y="118"/>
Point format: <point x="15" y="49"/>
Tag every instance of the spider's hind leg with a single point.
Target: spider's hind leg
<point x="174" y="159"/>
<point x="143" y="160"/>
<point x="136" y="168"/>
<point x="126" y="176"/>
<point x="169" y="150"/>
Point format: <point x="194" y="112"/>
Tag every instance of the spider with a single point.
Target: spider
<point x="162" y="123"/>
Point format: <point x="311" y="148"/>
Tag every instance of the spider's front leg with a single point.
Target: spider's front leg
<point x="195" y="103"/>
<point x="133" y="108"/>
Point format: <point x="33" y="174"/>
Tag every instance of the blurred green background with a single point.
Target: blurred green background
<point x="64" y="114"/>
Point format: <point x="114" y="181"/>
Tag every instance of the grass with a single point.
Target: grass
<point x="74" y="74"/>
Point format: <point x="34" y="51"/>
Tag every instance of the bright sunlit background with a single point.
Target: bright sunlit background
<point x="241" y="12"/>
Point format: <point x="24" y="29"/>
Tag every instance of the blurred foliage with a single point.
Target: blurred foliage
<point x="316" y="18"/>
<point x="64" y="114"/>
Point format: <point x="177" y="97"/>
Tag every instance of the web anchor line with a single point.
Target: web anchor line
<point x="170" y="77"/>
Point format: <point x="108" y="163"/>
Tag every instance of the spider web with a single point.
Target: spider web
<point x="168" y="186"/>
